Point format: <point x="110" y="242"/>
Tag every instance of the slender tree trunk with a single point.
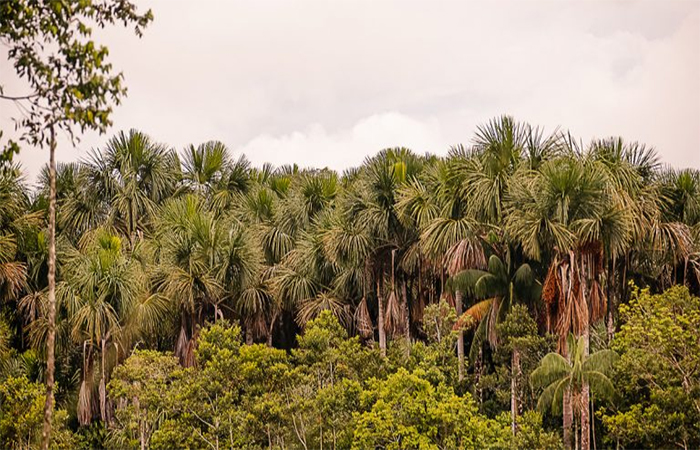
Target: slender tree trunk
<point x="585" y="400"/>
<point x="407" y="316"/>
<point x="380" y="319"/>
<point x="460" y="337"/>
<point x="103" y="387"/>
<point x="248" y="335"/>
<point x="516" y="372"/>
<point x="612" y="304"/>
<point x="593" y="423"/>
<point x="568" y="419"/>
<point x="51" y="339"/>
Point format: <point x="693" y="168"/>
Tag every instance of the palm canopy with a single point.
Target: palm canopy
<point x="556" y="375"/>
<point x="494" y="290"/>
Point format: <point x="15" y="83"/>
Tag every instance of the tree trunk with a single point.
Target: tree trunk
<point x="516" y="372"/>
<point x="51" y="339"/>
<point x="460" y="337"/>
<point x="380" y="319"/>
<point x="103" y="387"/>
<point x="612" y="304"/>
<point x="568" y="419"/>
<point x="407" y="316"/>
<point x="585" y="400"/>
<point x="249" y="335"/>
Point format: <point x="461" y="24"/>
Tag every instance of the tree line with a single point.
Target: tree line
<point x="293" y="307"/>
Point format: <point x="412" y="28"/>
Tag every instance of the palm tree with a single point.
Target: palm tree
<point x="496" y="290"/>
<point x="132" y="175"/>
<point x="205" y="166"/>
<point x="13" y="221"/>
<point x="452" y="239"/>
<point x="561" y="377"/>
<point x="372" y="203"/>
<point x="105" y="296"/>
<point x="205" y="262"/>
<point x="569" y="210"/>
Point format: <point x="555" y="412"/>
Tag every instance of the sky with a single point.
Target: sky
<point x="327" y="83"/>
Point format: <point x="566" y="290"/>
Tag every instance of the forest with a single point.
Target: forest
<point x="526" y="290"/>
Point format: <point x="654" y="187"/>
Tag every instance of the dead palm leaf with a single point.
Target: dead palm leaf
<point x="363" y="321"/>
<point x="473" y="315"/>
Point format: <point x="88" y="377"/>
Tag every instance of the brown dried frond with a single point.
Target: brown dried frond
<point x="473" y="315"/>
<point x="552" y="285"/>
<point x="598" y="302"/>
<point x="363" y="321"/>
<point x="466" y="254"/>
<point x="394" y="316"/>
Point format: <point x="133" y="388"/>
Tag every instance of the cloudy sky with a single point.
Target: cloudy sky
<point x="328" y="83"/>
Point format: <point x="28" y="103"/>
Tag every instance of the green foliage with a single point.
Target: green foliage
<point x="22" y="414"/>
<point x="557" y="374"/>
<point x="71" y="83"/>
<point x="407" y="411"/>
<point x="140" y="387"/>
<point x="659" y="344"/>
<point x="165" y="255"/>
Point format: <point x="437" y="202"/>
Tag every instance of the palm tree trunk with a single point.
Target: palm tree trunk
<point x="51" y="340"/>
<point x="568" y="419"/>
<point x="380" y="319"/>
<point x="585" y="400"/>
<point x="103" y="387"/>
<point x="248" y="335"/>
<point x="460" y="337"/>
<point x="611" y="290"/>
<point x="516" y="372"/>
<point x="407" y="317"/>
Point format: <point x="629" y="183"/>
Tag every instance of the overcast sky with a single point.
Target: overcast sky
<point x="328" y="83"/>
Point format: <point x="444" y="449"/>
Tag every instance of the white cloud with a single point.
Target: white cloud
<point x="317" y="147"/>
<point x="327" y="83"/>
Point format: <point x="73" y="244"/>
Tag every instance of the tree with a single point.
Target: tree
<point x="138" y="386"/>
<point x="657" y="374"/>
<point x="21" y="408"/>
<point x="559" y="376"/>
<point x="452" y="239"/>
<point x="71" y="86"/>
<point x="406" y="411"/>
<point x="133" y="175"/>
<point x="569" y="211"/>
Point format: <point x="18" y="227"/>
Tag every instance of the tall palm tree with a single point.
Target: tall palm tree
<point x="132" y="175"/>
<point x="560" y="376"/>
<point x="452" y="239"/>
<point x="205" y="262"/>
<point x="568" y="210"/>
<point x="496" y="290"/>
<point x="104" y="295"/>
<point x="372" y="203"/>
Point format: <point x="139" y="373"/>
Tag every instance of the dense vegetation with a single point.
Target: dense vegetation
<point x="485" y="299"/>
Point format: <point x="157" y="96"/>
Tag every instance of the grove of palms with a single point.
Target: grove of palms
<point x="154" y="245"/>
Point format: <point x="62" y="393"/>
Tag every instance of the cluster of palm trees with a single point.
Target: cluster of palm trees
<point x="152" y="244"/>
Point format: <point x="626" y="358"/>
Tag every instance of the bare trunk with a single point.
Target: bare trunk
<point x="103" y="387"/>
<point x="593" y="423"/>
<point x="460" y="338"/>
<point x="380" y="319"/>
<point x="568" y="419"/>
<point x="50" y="342"/>
<point x="612" y="292"/>
<point x="407" y="317"/>
<point x="273" y="320"/>
<point x="516" y="372"/>
<point x="248" y="335"/>
<point x="585" y="400"/>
